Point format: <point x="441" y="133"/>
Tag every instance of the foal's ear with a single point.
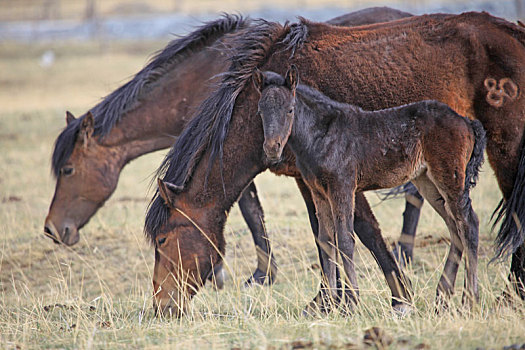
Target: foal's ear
<point x="168" y="191"/>
<point x="258" y="79"/>
<point x="291" y="77"/>
<point x="87" y="127"/>
<point x="69" y="117"/>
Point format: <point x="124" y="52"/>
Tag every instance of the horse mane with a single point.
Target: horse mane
<point x="320" y="101"/>
<point x="110" y="110"/>
<point x="209" y="128"/>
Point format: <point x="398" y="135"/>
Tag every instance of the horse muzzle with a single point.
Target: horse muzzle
<point x="69" y="235"/>
<point x="167" y="308"/>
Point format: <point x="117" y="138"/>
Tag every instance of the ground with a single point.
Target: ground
<point x="97" y="294"/>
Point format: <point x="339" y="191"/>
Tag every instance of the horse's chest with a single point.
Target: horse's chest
<point x="317" y="176"/>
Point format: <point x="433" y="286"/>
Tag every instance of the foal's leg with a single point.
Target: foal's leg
<point x="367" y="229"/>
<point x="328" y="294"/>
<point x="342" y="205"/>
<point x="314" y="224"/>
<point x="459" y="207"/>
<point x="253" y="214"/>
<point x="470" y="293"/>
<point x="403" y="250"/>
<point x="448" y="278"/>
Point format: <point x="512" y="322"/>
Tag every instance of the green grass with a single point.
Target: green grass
<point x="98" y="293"/>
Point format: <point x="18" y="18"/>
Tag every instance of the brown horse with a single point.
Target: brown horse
<point x="450" y="58"/>
<point x="341" y="149"/>
<point x="143" y="116"/>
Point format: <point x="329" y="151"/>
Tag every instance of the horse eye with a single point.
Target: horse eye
<point x="290" y="111"/>
<point x="66" y="171"/>
<point x="161" y="241"/>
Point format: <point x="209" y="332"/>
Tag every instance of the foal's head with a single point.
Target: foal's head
<point x="276" y="108"/>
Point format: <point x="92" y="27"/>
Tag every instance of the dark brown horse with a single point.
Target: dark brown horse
<point x="341" y="149"/>
<point x="450" y="58"/>
<point x="143" y="116"/>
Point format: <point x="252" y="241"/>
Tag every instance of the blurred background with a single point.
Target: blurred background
<point x="32" y="20"/>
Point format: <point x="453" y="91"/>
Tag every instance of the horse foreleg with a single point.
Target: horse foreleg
<point x="253" y="214"/>
<point x="314" y="224"/>
<point x="328" y="293"/>
<point x="342" y="206"/>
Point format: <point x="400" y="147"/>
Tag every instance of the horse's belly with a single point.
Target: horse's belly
<point x="391" y="175"/>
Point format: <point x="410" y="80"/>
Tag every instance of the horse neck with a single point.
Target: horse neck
<point x="243" y="159"/>
<point x="166" y="106"/>
<point x="313" y="113"/>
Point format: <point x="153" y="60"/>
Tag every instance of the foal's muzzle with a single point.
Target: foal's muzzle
<point x="273" y="150"/>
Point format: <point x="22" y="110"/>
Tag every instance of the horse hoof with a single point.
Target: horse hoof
<point x="402" y="310"/>
<point x="402" y="255"/>
<point x="259" y="277"/>
<point x="218" y="278"/>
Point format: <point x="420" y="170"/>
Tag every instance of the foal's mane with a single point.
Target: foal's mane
<point x="110" y="110"/>
<point x="208" y="129"/>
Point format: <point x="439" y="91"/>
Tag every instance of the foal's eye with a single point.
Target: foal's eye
<point x="290" y="111"/>
<point x="66" y="171"/>
<point x="161" y="241"/>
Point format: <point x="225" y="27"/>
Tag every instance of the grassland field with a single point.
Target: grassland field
<point x="98" y="294"/>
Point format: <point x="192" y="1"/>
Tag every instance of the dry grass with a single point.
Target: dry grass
<point x="98" y="294"/>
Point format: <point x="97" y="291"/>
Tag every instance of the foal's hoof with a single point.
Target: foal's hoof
<point x="468" y="300"/>
<point x="321" y="305"/>
<point x="402" y="310"/>
<point x="260" y="277"/>
<point x="313" y="309"/>
<point x="442" y="304"/>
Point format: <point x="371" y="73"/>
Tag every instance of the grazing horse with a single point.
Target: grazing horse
<point x="341" y="149"/>
<point x="443" y="57"/>
<point x="145" y="115"/>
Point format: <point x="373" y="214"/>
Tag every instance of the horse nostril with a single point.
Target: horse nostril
<point x="51" y="235"/>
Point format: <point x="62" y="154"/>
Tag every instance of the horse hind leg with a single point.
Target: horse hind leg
<point x="447" y="280"/>
<point x="404" y="248"/>
<point x="367" y="229"/>
<point x="470" y="292"/>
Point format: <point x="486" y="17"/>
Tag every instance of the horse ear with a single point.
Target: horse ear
<point x="168" y="191"/>
<point x="292" y="77"/>
<point x="87" y="127"/>
<point x="69" y="117"/>
<point x="258" y="79"/>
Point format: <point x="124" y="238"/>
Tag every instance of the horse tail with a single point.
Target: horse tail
<point x="476" y="158"/>
<point x="511" y="213"/>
